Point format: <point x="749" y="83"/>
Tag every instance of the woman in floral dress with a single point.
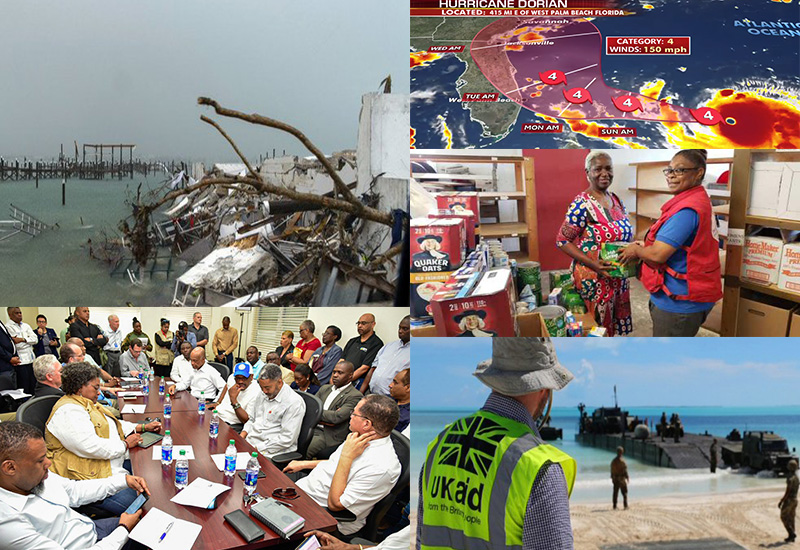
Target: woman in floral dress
<point x="594" y="217"/>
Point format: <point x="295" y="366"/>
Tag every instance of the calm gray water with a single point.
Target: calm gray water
<point x="53" y="268"/>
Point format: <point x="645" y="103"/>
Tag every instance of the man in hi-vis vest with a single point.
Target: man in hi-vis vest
<point x="489" y="481"/>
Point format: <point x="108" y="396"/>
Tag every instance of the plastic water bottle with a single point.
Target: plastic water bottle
<point x="182" y="470"/>
<point x="151" y="375"/>
<point x="146" y="387"/>
<point x="166" y="449"/>
<point x="213" y="430"/>
<point x="251" y="478"/>
<point x="168" y="407"/>
<point x="230" y="459"/>
<point x="162" y="386"/>
<point x="201" y="403"/>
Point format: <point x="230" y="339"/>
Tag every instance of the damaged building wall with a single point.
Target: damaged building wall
<point x="383" y="150"/>
<point x="306" y="174"/>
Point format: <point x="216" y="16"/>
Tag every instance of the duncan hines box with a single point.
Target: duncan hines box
<point x="789" y="277"/>
<point x="469" y="223"/>
<point x="761" y="259"/>
<point x="488" y="310"/>
<point x="459" y="203"/>
<point x="437" y="245"/>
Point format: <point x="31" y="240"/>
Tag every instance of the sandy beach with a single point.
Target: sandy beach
<point x="749" y="518"/>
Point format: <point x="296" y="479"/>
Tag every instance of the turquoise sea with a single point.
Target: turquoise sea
<point x="593" y="483"/>
<point x="55" y="267"/>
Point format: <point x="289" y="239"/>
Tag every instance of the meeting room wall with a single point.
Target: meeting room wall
<point x="386" y="320"/>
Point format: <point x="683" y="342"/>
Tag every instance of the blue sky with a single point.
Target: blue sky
<point x="647" y="371"/>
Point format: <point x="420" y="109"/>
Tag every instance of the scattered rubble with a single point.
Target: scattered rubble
<point x="287" y="232"/>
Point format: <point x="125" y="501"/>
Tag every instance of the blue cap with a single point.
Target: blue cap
<point x="242" y="369"/>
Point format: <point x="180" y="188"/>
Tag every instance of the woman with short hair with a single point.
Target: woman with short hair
<point x="306" y="346"/>
<point x="597" y="216"/>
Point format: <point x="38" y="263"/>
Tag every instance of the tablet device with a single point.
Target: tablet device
<point x="150" y="438"/>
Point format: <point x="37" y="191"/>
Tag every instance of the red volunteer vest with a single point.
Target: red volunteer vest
<point x="702" y="257"/>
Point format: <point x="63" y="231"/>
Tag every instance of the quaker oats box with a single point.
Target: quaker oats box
<point x="437" y="245"/>
<point x="423" y="287"/>
<point x="789" y="276"/>
<point x="761" y="259"/>
<point x="469" y="224"/>
<point x="485" y="309"/>
<point x="459" y="202"/>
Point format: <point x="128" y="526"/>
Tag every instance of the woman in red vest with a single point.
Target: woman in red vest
<point x="596" y="216"/>
<point x="680" y="253"/>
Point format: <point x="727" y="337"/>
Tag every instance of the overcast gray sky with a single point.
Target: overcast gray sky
<point x="131" y="71"/>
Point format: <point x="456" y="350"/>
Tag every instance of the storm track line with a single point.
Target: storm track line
<point x="535" y="82"/>
<point x="535" y="41"/>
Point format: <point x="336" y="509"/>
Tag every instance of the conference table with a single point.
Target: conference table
<point x="187" y="427"/>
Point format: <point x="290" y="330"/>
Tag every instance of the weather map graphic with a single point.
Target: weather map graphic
<point x="671" y="73"/>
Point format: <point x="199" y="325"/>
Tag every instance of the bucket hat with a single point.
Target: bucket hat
<point x="522" y="365"/>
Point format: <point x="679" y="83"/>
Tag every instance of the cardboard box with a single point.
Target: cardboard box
<point x="423" y="287"/>
<point x="437" y="245"/>
<point x="794" y="324"/>
<point x="761" y="258"/>
<point x="610" y="253"/>
<point x="775" y="190"/>
<point x="530" y="324"/>
<point x="789" y="197"/>
<point x="487" y="310"/>
<point x="765" y="187"/>
<point x="761" y="319"/>
<point x="456" y="201"/>
<point x="789" y="276"/>
<point x="470" y="223"/>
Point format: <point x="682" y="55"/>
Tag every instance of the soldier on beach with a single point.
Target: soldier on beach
<point x="619" y="477"/>
<point x="713" y="456"/>
<point x="788" y="503"/>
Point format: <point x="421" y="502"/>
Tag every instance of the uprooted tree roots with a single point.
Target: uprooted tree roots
<point x="346" y="211"/>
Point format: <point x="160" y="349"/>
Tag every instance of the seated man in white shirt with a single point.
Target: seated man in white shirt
<point x="274" y="425"/>
<point x="182" y="365"/>
<point x="362" y="470"/>
<point x="238" y="404"/>
<point x="36" y="505"/>
<point x="203" y="378"/>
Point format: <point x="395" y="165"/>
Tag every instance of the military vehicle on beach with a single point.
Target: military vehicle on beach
<point x="761" y="450"/>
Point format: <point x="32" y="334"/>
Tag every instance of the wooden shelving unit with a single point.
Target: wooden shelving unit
<point x="651" y="194"/>
<point x="739" y="220"/>
<point x="523" y="195"/>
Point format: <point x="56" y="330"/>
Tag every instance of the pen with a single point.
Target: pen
<point x="166" y="531"/>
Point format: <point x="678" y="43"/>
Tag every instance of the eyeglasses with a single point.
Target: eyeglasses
<point x="677" y="171"/>
<point x="285" y="493"/>
<point x="360" y="416"/>
<point x="364" y="322"/>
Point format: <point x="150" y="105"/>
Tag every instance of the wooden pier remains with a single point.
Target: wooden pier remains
<point x="97" y="162"/>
